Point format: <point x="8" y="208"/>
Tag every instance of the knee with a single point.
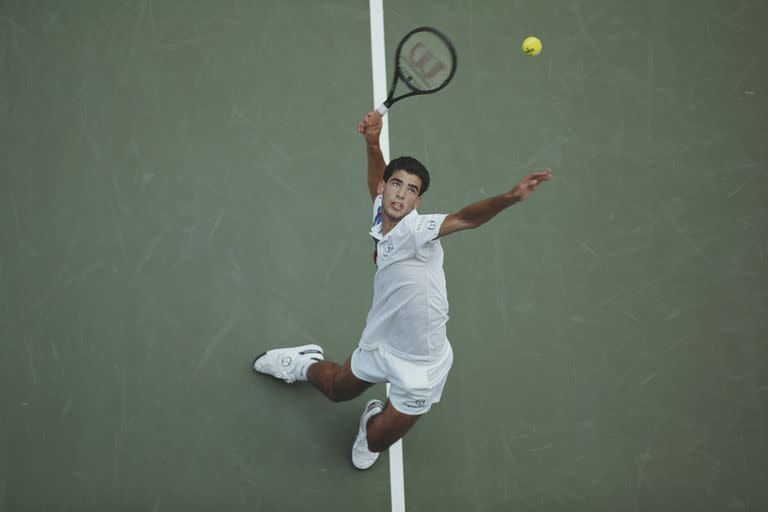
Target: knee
<point x="337" y="391"/>
<point x="336" y="394"/>
<point x="336" y="397"/>
<point x="328" y="386"/>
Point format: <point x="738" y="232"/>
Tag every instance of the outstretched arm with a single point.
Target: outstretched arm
<point x="370" y="127"/>
<point x="481" y="212"/>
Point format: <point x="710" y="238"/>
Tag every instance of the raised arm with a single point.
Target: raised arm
<point x="370" y="127"/>
<point x="479" y="213"/>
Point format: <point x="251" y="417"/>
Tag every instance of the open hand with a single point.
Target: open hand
<point x="529" y="183"/>
<point x="370" y="127"/>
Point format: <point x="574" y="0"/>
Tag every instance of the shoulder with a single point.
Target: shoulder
<point x="424" y="228"/>
<point x="377" y="202"/>
<point x="429" y="222"/>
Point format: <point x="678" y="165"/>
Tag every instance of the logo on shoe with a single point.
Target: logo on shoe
<point x="415" y="404"/>
<point x="286" y="361"/>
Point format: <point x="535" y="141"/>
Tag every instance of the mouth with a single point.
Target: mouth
<point x="396" y="205"/>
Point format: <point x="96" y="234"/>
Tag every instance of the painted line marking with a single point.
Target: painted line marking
<point x="379" y="68"/>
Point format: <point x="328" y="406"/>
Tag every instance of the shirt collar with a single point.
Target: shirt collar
<point x="376" y="228"/>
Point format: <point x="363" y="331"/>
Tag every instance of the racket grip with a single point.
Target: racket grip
<point x="382" y="109"/>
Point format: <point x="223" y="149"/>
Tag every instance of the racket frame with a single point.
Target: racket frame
<point x="399" y="76"/>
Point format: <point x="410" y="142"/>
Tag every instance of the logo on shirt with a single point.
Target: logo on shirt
<point x="425" y="223"/>
<point x="387" y="247"/>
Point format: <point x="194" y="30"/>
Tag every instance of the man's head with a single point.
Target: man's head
<point x="411" y="166"/>
<point x="404" y="182"/>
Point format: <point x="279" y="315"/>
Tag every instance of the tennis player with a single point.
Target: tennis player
<point x="404" y="341"/>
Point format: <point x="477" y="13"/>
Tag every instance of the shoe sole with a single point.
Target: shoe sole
<point x="307" y="349"/>
<point x="253" y="366"/>
<point x="363" y="468"/>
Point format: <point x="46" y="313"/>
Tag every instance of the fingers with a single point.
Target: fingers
<point x="535" y="178"/>
<point x="363" y="124"/>
<point x="529" y="183"/>
<point x="371" y="120"/>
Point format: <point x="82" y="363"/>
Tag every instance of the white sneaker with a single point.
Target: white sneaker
<point x="289" y="364"/>
<point x="362" y="457"/>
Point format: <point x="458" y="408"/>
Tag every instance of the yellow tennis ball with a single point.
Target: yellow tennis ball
<point x="532" y="46"/>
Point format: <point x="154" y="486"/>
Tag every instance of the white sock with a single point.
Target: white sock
<point x="303" y="365"/>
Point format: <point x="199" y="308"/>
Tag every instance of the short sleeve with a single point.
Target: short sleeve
<point x="377" y="210"/>
<point x="426" y="228"/>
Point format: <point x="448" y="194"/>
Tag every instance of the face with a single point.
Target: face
<point x="400" y="194"/>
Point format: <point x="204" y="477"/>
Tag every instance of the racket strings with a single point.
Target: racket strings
<point x="426" y="61"/>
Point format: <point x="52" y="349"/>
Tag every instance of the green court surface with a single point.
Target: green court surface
<point x="182" y="187"/>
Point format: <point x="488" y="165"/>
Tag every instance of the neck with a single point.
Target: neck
<point x="388" y="223"/>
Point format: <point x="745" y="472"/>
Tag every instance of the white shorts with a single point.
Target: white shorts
<point x="414" y="386"/>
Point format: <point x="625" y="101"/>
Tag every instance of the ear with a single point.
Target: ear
<point x="380" y="187"/>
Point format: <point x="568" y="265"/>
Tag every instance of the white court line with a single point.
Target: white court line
<point x="378" y="64"/>
<point x="378" y="54"/>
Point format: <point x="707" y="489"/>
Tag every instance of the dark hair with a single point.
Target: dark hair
<point x="411" y="166"/>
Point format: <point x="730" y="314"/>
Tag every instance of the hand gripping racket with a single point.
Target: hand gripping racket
<point x="425" y="62"/>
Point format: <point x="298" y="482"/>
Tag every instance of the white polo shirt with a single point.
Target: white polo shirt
<point x="410" y="302"/>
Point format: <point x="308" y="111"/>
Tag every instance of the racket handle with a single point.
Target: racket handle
<point x="382" y="109"/>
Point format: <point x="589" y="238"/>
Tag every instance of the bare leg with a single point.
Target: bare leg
<point x="387" y="427"/>
<point x="337" y="383"/>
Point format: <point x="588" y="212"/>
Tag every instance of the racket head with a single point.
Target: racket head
<point x="425" y="60"/>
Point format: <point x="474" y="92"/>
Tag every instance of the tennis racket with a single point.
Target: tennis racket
<point x="425" y="62"/>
